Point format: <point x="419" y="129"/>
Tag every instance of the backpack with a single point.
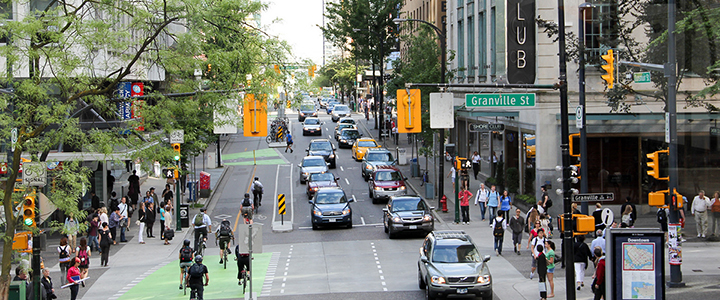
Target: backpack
<point x="63" y="252"/>
<point x="498" y="229"/>
<point x="548" y="203"/>
<point x="198" y="221"/>
<point x="83" y="256"/>
<point x="225" y="229"/>
<point x="258" y="187"/>
<point x="196" y="271"/>
<point x="186" y="254"/>
<point x="246" y="202"/>
<point x="661" y="216"/>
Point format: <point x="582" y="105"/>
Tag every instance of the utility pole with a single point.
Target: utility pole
<point x="581" y="102"/>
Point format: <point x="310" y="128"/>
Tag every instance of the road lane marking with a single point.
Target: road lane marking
<point x="346" y="181"/>
<point x="341" y="169"/>
<point x="363" y="220"/>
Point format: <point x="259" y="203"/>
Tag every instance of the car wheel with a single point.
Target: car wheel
<point x="421" y="283"/>
<point x="391" y="233"/>
<point x="304" y="134"/>
<point x="349" y="225"/>
<point x="364" y="177"/>
<point x="314" y="227"/>
<point x="385" y="224"/>
<point x="489" y="296"/>
<point x="429" y="295"/>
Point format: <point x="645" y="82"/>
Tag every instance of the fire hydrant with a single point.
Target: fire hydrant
<point x="443" y="201"/>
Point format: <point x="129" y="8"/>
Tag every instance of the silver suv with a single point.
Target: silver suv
<point x="450" y="265"/>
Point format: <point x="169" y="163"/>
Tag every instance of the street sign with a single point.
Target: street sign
<point x="579" y="117"/>
<point x="641" y="77"/>
<point x="13" y="138"/>
<point x="34" y="174"/>
<point x="472" y="127"/>
<point x="281" y="204"/>
<point x="177" y="137"/>
<point x="714" y="131"/>
<point x="607" y="216"/>
<point x="594" y="197"/>
<point x="499" y="100"/>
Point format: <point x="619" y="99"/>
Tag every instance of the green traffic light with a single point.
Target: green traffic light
<point x="177" y="157"/>
<point x="28" y="222"/>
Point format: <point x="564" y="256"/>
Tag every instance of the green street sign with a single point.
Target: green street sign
<point x="641" y="77"/>
<point x="499" y="100"/>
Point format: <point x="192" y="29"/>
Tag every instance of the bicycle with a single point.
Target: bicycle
<point x="186" y="270"/>
<point x="199" y="248"/>
<point x="226" y="252"/>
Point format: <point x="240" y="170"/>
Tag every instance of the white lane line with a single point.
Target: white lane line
<point x="329" y="136"/>
<point x="341" y="169"/>
<point x="346" y="181"/>
<point x="361" y="218"/>
<point x="377" y="261"/>
<point x="277" y="178"/>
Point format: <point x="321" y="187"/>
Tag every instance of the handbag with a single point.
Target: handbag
<point x="169" y="234"/>
<point x="137" y="222"/>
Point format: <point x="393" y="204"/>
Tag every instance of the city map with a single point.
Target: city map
<point x="638" y="274"/>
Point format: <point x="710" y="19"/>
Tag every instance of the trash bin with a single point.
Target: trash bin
<point x="429" y="191"/>
<point x="17" y="290"/>
<point x="184" y="215"/>
<point x="415" y="168"/>
<point x="402" y="156"/>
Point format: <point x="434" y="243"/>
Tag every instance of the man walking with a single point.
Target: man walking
<point x="499" y="225"/>
<point x="493" y="202"/>
<point x="699" y="209"/>
<point x="517" y="225"/>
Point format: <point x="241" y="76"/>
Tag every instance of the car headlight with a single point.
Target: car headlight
<point x="438" y="279"/>
<point x="332" y="155"/>
<point x="402" y="188"/>
<point x="314" y="114"/>
<point x="483" y="279"/>
<point x="346" y="211"/>
<point x="368" y="167"/>
<point x="427" y="218"/>
<point x="302" y="114"/>
<point x="317" y="213"/>
<point x="377" y="188"/>
<point x="315" y="189"/>
<point x="396" y="219"/>
<point x="305" y="173"/>
<point x="343" y="140"/>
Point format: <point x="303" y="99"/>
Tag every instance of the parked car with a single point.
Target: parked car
<point x="311" y="164"/>
<point x="339" y="111"/>
<point x="347" y="138"/>
<point x="340" y="127"/>
<point x="385" y="182"/>
<point x="407" y="213"/>
<point x="324" y="148"/>
<point x="450" y="265"/>
<point x="373" y="158"/>
<point x="317" y="181"/>
<point x="312" y="126"/>
<point x="360" y="147"/>
<point x="330" y="206"/>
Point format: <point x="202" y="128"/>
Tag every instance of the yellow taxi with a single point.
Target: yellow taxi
<point x="360" y="147"/>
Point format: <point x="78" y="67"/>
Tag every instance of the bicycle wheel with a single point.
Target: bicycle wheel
<point x="225" y="259"/>
<point x="184" y="286"/>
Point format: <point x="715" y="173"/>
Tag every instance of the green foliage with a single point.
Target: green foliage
<point x="340" y="74"/>
<point x="512" y="180"/>
<point x="526" y="198"/>
<point x="499" y="173"/>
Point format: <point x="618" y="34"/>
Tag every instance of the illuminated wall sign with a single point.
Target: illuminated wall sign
<point x="521" y="58"/>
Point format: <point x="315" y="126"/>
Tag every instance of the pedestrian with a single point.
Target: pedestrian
<point x="115" y="218"/>
<point x="257" y="190"/>
<point x="105" y="241"/>
<point x="48" y="292"/>
<point x="133" y="189"/>
<point x="114" y="200"/>
<point x="73" y="276"/>
<point x="534" y="242"/>
<point x="64" y="258"/>
<point x="481" y="198"/>
<point x="492" y="203"/>
<point x="70" y="228"/>
<point x="662" y="218"/>
<point x="168" y="226"/>
<point x="103" y="216"/>
<point x="149" y="219"/>
<point x="550" y="256"/>
<point x="626" y="219"/>
<point x="582" y="254"/>
<point x="167" y="193"/>
<point x="464" y="197"/>
<point x="162" y="222"/>
<point x="505" y="204"/>
<point x="395" y="133"/>
<point x="83" y="253"/>
<point x="92" y="233"/>
<point x="597" y="214"/>
<point x="153" y="195"/>
<point x="542" y="265"/>
<point x="499" y="225"/>
<point x="598" y="286"/>
<point x="141" y="223"/>
<point x="148" y="199"/>
<point x="545" y="225"/>
<point x="195" y="278"/>
<point x="476" y="165"/>
<point x="598" y="242"/>
<point x="699" y="208"/>
<point x="533" y="220"/>
<point x="715" y="213"/>
<point x="517" y="225"/>
<point x="124" y="222"/>
<point x="21" y="275"/>
<point x="289" y="143"/>
<point x="633" y="214"/>
<point x="452" y="173"/>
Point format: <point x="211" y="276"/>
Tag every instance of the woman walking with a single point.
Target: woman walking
<point x="105" y="242"/>
<point x="505" y="204"/>
<point x="550" y="255"/>
<point x="149" y="219"/>
<point x="162" y="220"/>
<point x="141" y="222"/>
<point x="83" y="253"/>
<point x="64" y="251"/>
<point x="73" y="275"/>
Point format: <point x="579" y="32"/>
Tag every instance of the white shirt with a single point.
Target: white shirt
<point x="500" y="219"/>
<point x="476" y="159"/>
<point x="481" y="196"/>
<point x="537" y="241"/>
<point x="598" y="242"/>
<point x="123" y="209"/>
<point x="700" y="205"/>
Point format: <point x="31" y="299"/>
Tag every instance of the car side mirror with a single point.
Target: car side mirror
<point x="432" y="207"/>
<point x="333" y="146"/>
<point x="337" y="178"/>
<point x="385" y="209"/>
<point x="299" y="165"/>
<point x="327" y="164"/>
<point x="405" y="178"/>
<point x="486" y="258"/>
<point x="424" y="259"/>
<point x="310" y="201"/>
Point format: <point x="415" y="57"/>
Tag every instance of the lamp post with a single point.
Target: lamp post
<point x="379" y="95"/>
<point x="581" y="101"/>
<point x="443" y="61"/>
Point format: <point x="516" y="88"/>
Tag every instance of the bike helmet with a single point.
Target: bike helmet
<point x="247" y="195"/>
<point x="198" y="258"/>
<point x="257" y="178"/>
<point x="186" y="242"/>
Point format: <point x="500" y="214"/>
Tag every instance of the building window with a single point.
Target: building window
<point x="600" y="29"/>
<point x="461" y="52"/>
<point x="471" y="49"/>
<point x="493" y="57"/>
<point x="481" y="45"/>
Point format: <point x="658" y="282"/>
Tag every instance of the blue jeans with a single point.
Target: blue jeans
<point x="93" y="242"/>
<point x="122" y="234"/>
<point x="483" y="208"/>
<point x="498" y="244"/>
<point x="492" y="210"/>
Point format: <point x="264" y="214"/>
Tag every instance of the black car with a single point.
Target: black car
<point x="347" y="137"/>
<point x="324" y="148"/>
<point x="330" y="206"/>
<point x="407" y="213"/>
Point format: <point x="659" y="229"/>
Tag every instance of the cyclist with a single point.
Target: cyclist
<point x="223" y="235"/>
<point x="186" y="258"/>
<point x="243" y="263"/>
<point x="247" y="209"/>
<point x="257" y="190"/>
<point x="195" y="278"/>
<point x="202" y="225"/>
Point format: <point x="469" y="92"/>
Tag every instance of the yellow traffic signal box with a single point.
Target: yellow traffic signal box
<point x="28" y="210"/>
<point x="583" y="224"/>
<point x="575" y="145"/>
<point x="254" y="116"/>
<point x="653" y="165"/>
<point x="408" y="111"/>
<point x="658" y="199"/>
<point x="609" y="67"/>
<point x="21" y="241"/>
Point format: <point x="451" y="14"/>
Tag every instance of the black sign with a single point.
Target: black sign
<point x="521" y="59"/>
<point x="593" y="197"/>
<point x="485" y="127"/>
<point x="715" y="131"/>
<point x="635" y="260"/>
<point x="169" y="173"/>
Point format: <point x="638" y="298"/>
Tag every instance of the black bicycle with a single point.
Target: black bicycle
<point x="244" y="278"/>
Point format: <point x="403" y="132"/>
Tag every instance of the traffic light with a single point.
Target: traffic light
<point x="277" y="69"/>
<point x="176" y="148"/>
<point x="462" y="163"/>
<point x="653" y="164"/>
<point x="609" y="68"/>
<point x="311" y="71"/>
<point x="575" y="171"/>
<point x="254" y="116"/>
<point x="583" y="224"/>
<point x="408" y="111"/>
<point x="28" y="210"/>
<point x="659" y="199"/>
<point x="575" y="145"/>
<point x="168" y="173"/>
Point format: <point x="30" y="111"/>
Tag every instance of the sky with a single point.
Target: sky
<point x="297" y="22"/>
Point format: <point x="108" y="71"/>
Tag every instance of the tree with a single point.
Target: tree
<point x="78" y="53"/>
<point x="339" y="74"/>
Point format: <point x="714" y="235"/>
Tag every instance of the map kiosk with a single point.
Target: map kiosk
<point x="635" y="264"/>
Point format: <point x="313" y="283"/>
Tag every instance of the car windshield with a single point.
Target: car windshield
<point x="322" y="177"/>
<point x="315" y="162"/>
<point x="408" y="205"/>
<point x="341" y="108"/>
<point x="367" y="144"/>
<point x="312" y="121"/>
<point x="348" y="121"/>
<point x="307" y="107"/>
<point x="455" y="254"/>
<point x="320" y="146"/>
<point x="353" y="134"/>
<point x="388" y="176"/>
<point x="343" y="126"/>
<point x="333" y="197"/>
<point x="379" y="157"/>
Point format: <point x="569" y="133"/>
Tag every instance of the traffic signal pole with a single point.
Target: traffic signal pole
<point x="35" y="263"/>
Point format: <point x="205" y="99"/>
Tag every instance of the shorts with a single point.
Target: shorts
<point x="243" y="262"/>
<point x="551" y="270"/>
<point x="247" y="212"/>
<point x="223" y="241"/>
<point x="185" y="264"/>
<point x="533" y="263"/>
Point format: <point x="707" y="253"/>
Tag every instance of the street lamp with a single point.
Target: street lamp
<point x="443" y="61"/>
<point x="378" y="95"/>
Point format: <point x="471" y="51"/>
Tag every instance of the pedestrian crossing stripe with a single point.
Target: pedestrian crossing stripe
<point x="281" y="204"/>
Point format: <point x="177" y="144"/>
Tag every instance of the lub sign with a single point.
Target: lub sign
<point x="521" y="58"/>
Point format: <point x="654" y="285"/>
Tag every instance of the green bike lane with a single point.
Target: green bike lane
<point x="223" y="282"/>
<point x="267" y="156"/>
